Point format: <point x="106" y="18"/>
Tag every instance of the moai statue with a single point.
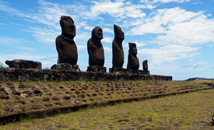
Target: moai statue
<point x="117" y="50"/>
<point x="145" y="67"/>
<point x="133" y="62"/>
<point x="65" y="45"/>
<point x="96" y="51"/>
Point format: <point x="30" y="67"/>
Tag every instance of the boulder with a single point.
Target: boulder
<point x="18" y="63"/>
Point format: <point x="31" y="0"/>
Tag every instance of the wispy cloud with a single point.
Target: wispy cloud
<point x="107" y="39"/>
<point x="3" y="24"/>
<point x="178" y="33"/>
<point x="4" y="7"/>
<point x="116" y="9"/>
<point x="169" y="53"/>
<point x="108" y="30"/>
<point x="162" y="1"/>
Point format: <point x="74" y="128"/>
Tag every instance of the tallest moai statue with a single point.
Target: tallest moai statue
<point x="117" y="51"/>
<point x="65" y="45"/>
<point x="117" y="48"/>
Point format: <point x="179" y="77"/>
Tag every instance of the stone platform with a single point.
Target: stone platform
<point x="98" y="69"/>
<point x="12" y="74"/>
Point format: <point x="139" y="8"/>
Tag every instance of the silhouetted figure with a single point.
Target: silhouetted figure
<point x="65" y="45"/>
<point x="133" y="62"/>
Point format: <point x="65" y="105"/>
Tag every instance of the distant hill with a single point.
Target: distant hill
<point x="197" y="78"/>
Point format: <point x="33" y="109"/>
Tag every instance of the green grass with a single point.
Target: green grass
<point x="191" y="111"/>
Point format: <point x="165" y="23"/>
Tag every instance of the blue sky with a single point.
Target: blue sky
<point x="175" y="36"/>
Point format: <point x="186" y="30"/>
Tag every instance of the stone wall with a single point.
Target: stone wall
<point x="10" y="74"/>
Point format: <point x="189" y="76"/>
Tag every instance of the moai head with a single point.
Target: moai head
<point x="97" y="33"/>
<point x="119" y="34"/>
<point x="68" y="27"/>
<point x="132" y="49"/>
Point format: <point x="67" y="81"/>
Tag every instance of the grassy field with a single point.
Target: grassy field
<point x="187" y="111"/>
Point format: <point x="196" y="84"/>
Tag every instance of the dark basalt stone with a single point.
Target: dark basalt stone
<point x="3" y="94"/>
<point x="37" y="92"/>
<point x="117" y="70"/>
<point x="66" y="66"/>
<point x="46" y="99"/>
<point x="9" y="109"/>
<point x="55" y="98"/>
<point x="145" y="67"/>
<point x="95" y="48"/>
<point x="37" y="106"/>
<point x="55" y="75"/>
<point x="65" y="45"/>
<point x="66" y="97"/>
<point x="18" y="63"/>
<point x="117" y="48"/>
<point x="96" y="69"/>
<point x="133" y="62"/>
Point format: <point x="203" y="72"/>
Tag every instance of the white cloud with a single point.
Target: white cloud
<point x="10" y="41"/>
<point x="83" y="37"/>
<point x="45" y="35"/>
<point x="107" y="39"/>
<point x="4" y="7"/>
<point x="16" y="43"/>
<point x="108" y="30"/>
<point x="177" y="26"/>
<point x="81" y="47"/>
<point x="199" y="30"/>
<point x="159" y="21"/>
<point x="107" y="49"/>
<point x="118" y="9"/>
<point x="139" y="44"/>
<point x="89" y="28"/>
<point x="169" y="53"/>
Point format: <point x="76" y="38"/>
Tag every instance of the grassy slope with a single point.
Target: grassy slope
<point x="22" y="96"/>
<point x="187" y="111"/>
